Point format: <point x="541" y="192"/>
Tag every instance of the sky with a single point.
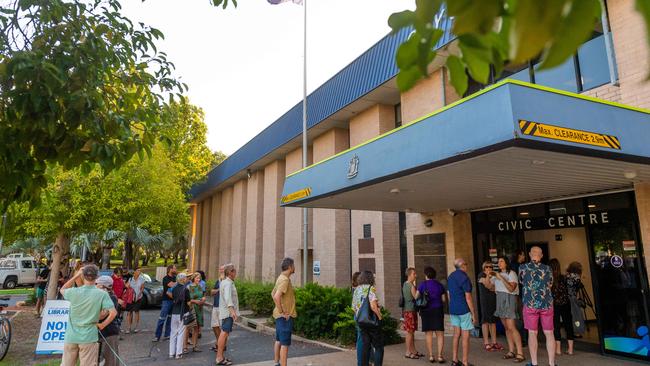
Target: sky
<point x="243" y="65"/>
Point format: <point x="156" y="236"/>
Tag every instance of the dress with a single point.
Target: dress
<point x="433" y="316"/>
<point x="488" y="300"/>
<point x="196" y="294"/>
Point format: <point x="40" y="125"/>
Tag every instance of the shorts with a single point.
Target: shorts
<point x="464" y="322"/>
<point x="226" y="324"/>
<point x="283" y="329"/>
<point x="506" y="306"/>
<point x="433" y="320"/>
<point x="532" y="317"/>
<point x="40" y="293"/>
<point x="410" y="323"/>
<point x="215" y="322"/>
<point x="134" y="306"/>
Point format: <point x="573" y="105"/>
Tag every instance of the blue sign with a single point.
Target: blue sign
<point x="616" y="261"/>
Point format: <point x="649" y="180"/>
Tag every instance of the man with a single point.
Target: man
<point x="165" y="319"/>
<point x="228" y="311"/>
<point x="180" y="306"/>
<point x="109" y="341"/>
<point x="461" y="309"/>
<point x="86" y="304"/>
<point x="536" y="280"/>
<point x="215" y="322"/>
<point x="284" y="311"/>
<point x="133" y="316"/>
<point x="41" y="282"/>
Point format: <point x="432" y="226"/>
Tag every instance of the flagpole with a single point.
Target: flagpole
<point x="305" y="223"/>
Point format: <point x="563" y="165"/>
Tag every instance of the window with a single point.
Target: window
<point x="27" y="264"/>
<point x="398" y="115"/>
<point x="7" y="264"/>
<point x="518" y="72"/>
<point x="592" y="58"/>
<point x="561" y="77"/>
<point x="367" y="231"/>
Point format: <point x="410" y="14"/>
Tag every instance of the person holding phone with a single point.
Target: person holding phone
<point x="505" y="283"/>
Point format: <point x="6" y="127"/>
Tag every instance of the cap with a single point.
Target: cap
<point x="105" y="281"/>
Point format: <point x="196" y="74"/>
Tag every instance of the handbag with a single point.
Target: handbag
<point x="366" y="318"/>
<point x="189" y="318"/>
<point x="423" y="301"/>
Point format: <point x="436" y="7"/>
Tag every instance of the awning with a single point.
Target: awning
<point x="510" y="143"/>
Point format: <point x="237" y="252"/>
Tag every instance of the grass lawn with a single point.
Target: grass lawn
<point x="17" y="291"/>
<point x="151" y="268"/>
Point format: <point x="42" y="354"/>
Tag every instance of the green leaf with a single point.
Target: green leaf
<point x="397" y="21"/>
<point x="406" y="78"/>
<point x="477" y="56"/>
<point x="643" y="7"/>
<point x="457" y="75"/>
<point x="471" y="16"/>
<point x="407" y="52"/>
<point x="534" y="22"/>
<point x="574" y="30"/>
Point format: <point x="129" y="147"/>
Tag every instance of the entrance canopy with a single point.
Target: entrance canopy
<point x="511" y="143"/>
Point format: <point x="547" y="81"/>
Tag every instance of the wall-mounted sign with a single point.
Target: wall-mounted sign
<point x="306" y="192"/>
<point x="629" y="245"/>
<point x="316" y="268"/>
<point x="569" y="134"/>
<point x="555" y="222"/>
<point x="353" y="167"/>
<point x="493" y="252"/>
<point x="616" y="261"/>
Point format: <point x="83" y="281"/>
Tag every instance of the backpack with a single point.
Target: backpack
<point x="129" y="296"/>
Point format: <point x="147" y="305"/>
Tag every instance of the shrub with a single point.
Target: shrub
<point x="318" y="308"/>
<point x="346" y="331"/>
<point x="256" y="297"/>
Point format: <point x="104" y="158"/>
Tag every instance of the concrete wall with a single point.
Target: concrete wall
<point x="273" y="222"/>
<point x="212" y="268"/>
<point x="226" y="226"/>
<point x="238" y="240"/>
<point x="331" y="228"/>
<point x="206" y="208"/>
<point x="254" y="226"/>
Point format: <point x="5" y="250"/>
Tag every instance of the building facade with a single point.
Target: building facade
<point x="559" y="159"/>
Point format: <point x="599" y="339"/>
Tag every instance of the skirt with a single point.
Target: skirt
<point x="506" y="306"/>
<point x="433" y="319"/>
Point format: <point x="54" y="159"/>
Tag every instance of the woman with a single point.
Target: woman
<point x="574" y="286"/>
<point x="488" y="300"/>
<point x="433" y="316"/>
<point x="505" y="285"/>
<point x="410" y="316"/>
<point x="109" y="339"/>
<point x="561" y="308"/>
<point x="370" y="337"/>
<point x="180" y="306"/>
<point x="197" y="299"/>
<point x="133" y="317"/>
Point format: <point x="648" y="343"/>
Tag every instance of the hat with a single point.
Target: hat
<point x="181" y="276"/>
<point x="105" y="281"/>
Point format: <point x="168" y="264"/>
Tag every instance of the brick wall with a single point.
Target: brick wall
<point x="225" y="225"/>
<point x="273" y="222"/>
<point x="254" y="225"/>
<point x="238" y="240"/>
<point x="212" y="268"/>
<point x="206" y="208"/>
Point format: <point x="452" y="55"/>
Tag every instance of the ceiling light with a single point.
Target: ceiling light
<point x="489" y="196"/>
<point x="539" y="162"/>
<point x="630" y="174"/>
<point x="394" y="190"/>
<point x="591" y="206"/>
<point x="524" y="213"/>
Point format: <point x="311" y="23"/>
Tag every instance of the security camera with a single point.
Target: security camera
<point x="451" y="212"/>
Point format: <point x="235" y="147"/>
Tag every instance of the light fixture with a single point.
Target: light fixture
<point x="591" y="205"/>
<point x="394" y="190"/>
<point x="428" y="223"/>
<point x="249" y="174"/>
<point x="539" y="162"/>
<point x="489" y="196"/>
<point x="524" y="213"/>
<point x="629" y="174"/>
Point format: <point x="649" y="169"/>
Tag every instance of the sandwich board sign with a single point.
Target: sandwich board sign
<point x="53" y="327"/>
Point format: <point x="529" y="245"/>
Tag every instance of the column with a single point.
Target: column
<point x="273" y="223"/>
<point x="238" y="240"/>
<point x="254" y="226"/>
<point x="212" y="269"/>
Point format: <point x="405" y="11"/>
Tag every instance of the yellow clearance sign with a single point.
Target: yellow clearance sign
<point x="296" y="195"/>
<point x="569" y="134"/>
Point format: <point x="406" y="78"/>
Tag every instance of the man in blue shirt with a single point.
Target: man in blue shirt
<point x="461" y="309"/>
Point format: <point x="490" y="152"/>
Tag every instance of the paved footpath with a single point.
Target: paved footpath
<point x="245" y="346"/>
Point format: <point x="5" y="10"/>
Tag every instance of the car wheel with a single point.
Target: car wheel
<point x="10" y="283"/>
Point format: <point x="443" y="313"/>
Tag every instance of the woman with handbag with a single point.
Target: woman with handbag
<point x="181" y="316"/>
<point x="561" y="308"/>
<point x="574" y="286"/>
<point x="197" y="299"/>
<point x="410" y="316"/>
<point x="429" y="299"/>
<point x="368" y="317"/>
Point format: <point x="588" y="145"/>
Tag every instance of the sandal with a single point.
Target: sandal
<point x="497" y="346"/>
<point x="488" y="347"/>
<point x="508" y="356"/>
<point x="225" y="361"/>
<point x="432" y="360"/>
<point x="441" y="360"/>
<point x="412" y="356"/>
<point x="196" y="349"/>
<point x="519" y="358"/>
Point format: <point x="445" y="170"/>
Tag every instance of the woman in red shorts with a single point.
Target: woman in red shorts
<point x="410" y="323"/>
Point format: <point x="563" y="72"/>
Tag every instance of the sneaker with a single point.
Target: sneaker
<point x="155" y="339"/>
<point x="166" y="338"/>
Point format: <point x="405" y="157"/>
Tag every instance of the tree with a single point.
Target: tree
<point x="79" y="85"/>
<point x="494" y="33"/>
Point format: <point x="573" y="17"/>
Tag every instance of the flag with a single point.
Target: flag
<point x="276" y="2"/>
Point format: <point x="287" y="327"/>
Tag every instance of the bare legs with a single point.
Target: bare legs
<point x="410" y="343"/>
<point x="454" y="347"/>
<point x="281" y="354"/>
<point x="489" y="329"/>
<point x="221" y="345"/>
<point x="216" y="331"/>
<point x="550" y="346"/>
<point x="513" y="336"/>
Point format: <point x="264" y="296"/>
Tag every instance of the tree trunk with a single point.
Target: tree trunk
<point x="106" y="257"/>
<point x="60" y="249"/>
<point x="184" y="256"/>
<point x="128" y="253"/>
<point x="176" y="257"/>
<point x="136" y="255"/>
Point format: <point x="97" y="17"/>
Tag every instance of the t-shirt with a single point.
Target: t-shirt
<point x="118" y="286"/>
<point x="536" y="280"/>
<point x="165" y="282"/>
<point x="499" y="286"/>
<point x="458" y="284"/>
<point x="228" y="299"/>
<point x="288" y="298"/>
<point x="360" y="293"/>
<point x="409" y="304"/>
<point x="435" y="290"/>
<point x="44" y="274"/>
<point x="85" y="304"/>
<point x="136" y="285"/>
<point x="215" y="301"/>
<point x="181" y="295"/>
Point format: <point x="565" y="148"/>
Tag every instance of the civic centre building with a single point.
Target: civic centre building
<point x="557" y="158"/>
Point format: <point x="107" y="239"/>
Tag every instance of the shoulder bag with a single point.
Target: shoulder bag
<point x="366" y="318"/>
<point x="422" y="302"/>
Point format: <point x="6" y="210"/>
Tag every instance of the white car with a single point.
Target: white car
<point x="16" y="271"/>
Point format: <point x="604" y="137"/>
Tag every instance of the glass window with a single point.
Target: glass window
<point x="592" y="57"/>
<point x="398" y="115"/>
<point x="7" y="264"/>
<point x="609" y="202"/>
<point x="565" y="207"/>
<point x="519" y="72"/>
<point x="524" y="212"/>
<point x="367" y="231"/>
<point x="27" y="264"/>
<point x="561" y="77"/>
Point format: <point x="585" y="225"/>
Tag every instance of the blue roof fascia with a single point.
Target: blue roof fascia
<point x="366" y="73"/>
